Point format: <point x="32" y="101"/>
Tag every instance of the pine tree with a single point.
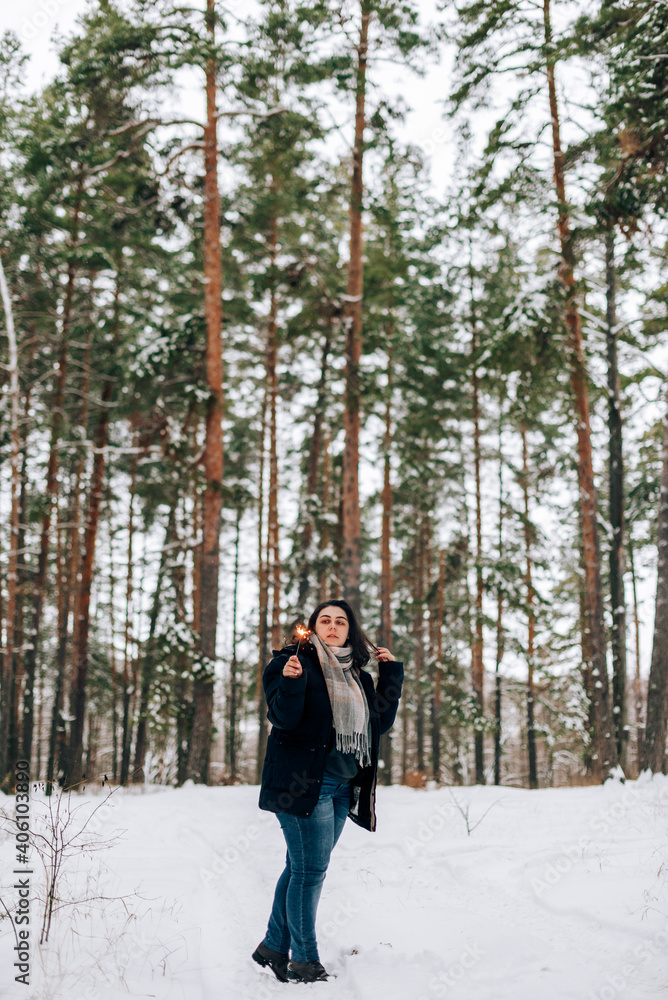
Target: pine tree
<point x="482" y="26"/>
<point x="388" y="27"/>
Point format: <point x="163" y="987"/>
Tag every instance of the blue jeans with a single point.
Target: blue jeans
<point x="310" y="840"/>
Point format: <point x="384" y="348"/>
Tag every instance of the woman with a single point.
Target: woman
<point x="320" y="766"/>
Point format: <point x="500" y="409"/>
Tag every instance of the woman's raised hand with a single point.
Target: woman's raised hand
<point x="383" y="654"/>
<point x="292" y="668"/>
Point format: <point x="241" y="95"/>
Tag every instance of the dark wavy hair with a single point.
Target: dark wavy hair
<point x="357" y="638"/>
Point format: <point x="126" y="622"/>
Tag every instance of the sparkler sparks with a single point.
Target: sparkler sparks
<point x="303" y="633"/>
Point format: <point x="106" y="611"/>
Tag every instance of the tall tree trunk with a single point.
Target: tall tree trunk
<point x="654" y="747"/>
<point x="51" y="487"/>
<point x="263" y="586"/>
<point x="587" y="680"/>
<point x="135" y="660"/>
<point x="197" y="527"/>
<point x="75" y="750"/>
<point x="476" y="658"/>
<point x="200" y="737"/>
<point x="55" y="729"/>
<point x="325" y="576"/>
<point x="183" y="702"/>
<point x="405" y="729"/>
<point x="385" y="633"/>
<point x="531" y="616"/>
<point x="406" y="699"/>
<point x="616" y="479"/>
<point x="418" y="635"/>
<point x="184" y="715"/>
<point x="126" y="682"/>
<point x="315" y="449"/>
<point x="148" y="660"/>
<point x="40" y="721"/>
<point x="605" y="751"/>
<point x="67" y="585"/>
<point x="437" y="672"/>
<point x="50" y="491"/>
<point x="352" y="524"/>
<point x="114" y="669"/>
<point x="232" y="724"/>
<point x="500" y="633"/>
<point x="637" y="683"/>
<point x="18" y="675"/>
<point x="273" y="551"/>
<point x="6" y="763"/>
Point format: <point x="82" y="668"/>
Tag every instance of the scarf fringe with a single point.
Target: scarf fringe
<point x="357" y="743"/>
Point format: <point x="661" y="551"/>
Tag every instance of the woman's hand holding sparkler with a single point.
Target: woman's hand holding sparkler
<point x="381" y="653"/>
<point x="292" y="668"/>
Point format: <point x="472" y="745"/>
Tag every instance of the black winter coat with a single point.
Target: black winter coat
<point x="302" y="734"/>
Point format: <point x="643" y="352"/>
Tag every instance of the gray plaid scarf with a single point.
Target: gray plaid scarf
<point x="347" y="697"/>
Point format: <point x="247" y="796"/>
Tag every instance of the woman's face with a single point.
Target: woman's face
<point x="332" y="626"/>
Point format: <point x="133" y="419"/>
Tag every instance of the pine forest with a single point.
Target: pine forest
<point x="258" y="352"/>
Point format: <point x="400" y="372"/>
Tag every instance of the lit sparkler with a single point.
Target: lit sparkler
<point x="303" y="633"/>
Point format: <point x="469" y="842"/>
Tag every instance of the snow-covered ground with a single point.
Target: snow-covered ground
<point x="555" y="894"/>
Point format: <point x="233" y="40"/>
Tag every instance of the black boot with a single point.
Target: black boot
<point x="306" y="972"/>
<point x="277" y="961"/>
